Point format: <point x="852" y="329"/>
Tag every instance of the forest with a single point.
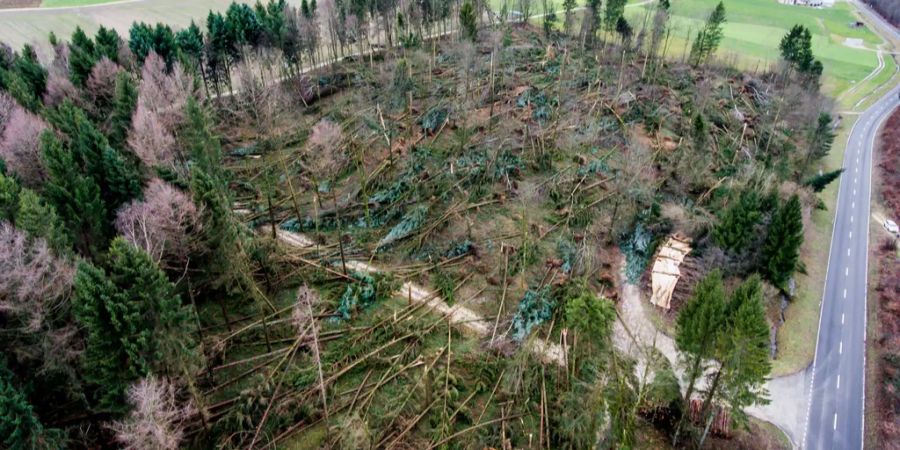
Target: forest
<point x="392" y="224"/>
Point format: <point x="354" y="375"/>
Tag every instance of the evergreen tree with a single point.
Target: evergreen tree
<point x="134" y="322"/>
<point x="124" y="102"/>
<point x="699" y="324"/>
<point x="796" y="49"/>
<point x="614" y="10"/>
<point x="820" y="139"/>
<point x="549" y="16"/>
<point x="82" y="57"/>
<point x="593" y="21"/>
<point x="624" y="30"/>
<point x="75" y="196"/>
<point x="700" y="132"/>
<point x="781" y="251"/>
<point x="819" y="182"/>
<point x="107" y="43"/>
<point x="746" y="347"/>
<point x="190" y="42"/>
<point x="116" y="176"/>
<point x="40" y="220"/>
<point x="708" y="38"/>
<point x="203" y="147"/>
<point x="20" y="428"/>
<point x="9" y="198"/>
<point x="467" y="21"/>
<point x="735" y="230"/>
<point x="140" y="40"/>
<point x="32" y="73"/>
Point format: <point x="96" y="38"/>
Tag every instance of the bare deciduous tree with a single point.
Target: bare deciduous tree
<point x="20" y="145"/>
<point x="101" y="84"/>
<point x="162" y="98"/>
<point x="161" y="224"/>
<point x="157" y="419"/>
<point x="33" y="281"/>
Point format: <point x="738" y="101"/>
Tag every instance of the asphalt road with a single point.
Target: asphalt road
<point x="835" y="418"/>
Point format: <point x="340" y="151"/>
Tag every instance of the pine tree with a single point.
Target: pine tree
<point x="134" y="322"/>
<point x="708" y="38"/>
<point x="124" y="102"/>
<point x="699" y="323"/>
<point x="781" y="251"/>
<point x="467" y="21"/>
<point x="735" y="230"/>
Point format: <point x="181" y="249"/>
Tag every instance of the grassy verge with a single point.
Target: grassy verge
<point x="797" y="337"/>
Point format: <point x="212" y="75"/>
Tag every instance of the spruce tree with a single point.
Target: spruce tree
<point x="107" y="43"/>
<point x="467" y="21"/>
<point x="29" y="68"/>
<point x="742" y="353"/>
<point x="781" y="251"/>
<point x="735" y="230"/>
<point x="821" y="138"/>
<point x="708" y="39"/>
<point x="124" y="102"/>
<point x="699" y="324"/>
<point x="134" y="322"/>
<point x="75" y="196"/>
<point x="819" y="182"/>
<point x="20" y="428"/>
<point x="9" y="198"/>
<point x="614" y="10"/>
<point x="40" y="220"/>
<point x="82" y="57"/>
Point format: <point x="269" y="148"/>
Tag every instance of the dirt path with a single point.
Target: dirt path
<point x="636" y="335"/>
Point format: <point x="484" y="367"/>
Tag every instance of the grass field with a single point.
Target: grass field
<point x="755" y="27"/>
<point x="63" y="3"/>
<point x="33" y="26"/>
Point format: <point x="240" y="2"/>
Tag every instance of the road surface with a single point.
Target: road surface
<point x="835" y="418"/>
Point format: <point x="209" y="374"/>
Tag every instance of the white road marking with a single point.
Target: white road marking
<point x="835" y="421"/>
<point x="846" y="271"/>
<point x="839" y="382"/>
<point x="842" y="318"/>
<point x="851" y="235"/>
<point x="841" y="348"/>
<point x="853" y="204"/>
<point x="854" y="192"/>
<point x="848" y="252"/>
<point x="854" y="180"/>
<point x="851" y="219"/>
<point x="845" y="293"/>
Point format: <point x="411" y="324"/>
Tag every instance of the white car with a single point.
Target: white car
<point x="891" y="226"/>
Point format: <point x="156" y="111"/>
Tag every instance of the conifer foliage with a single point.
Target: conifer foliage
<point x="708" y="38"/>
<point x="781" y="251"/>
<point x="134" y="323"/>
